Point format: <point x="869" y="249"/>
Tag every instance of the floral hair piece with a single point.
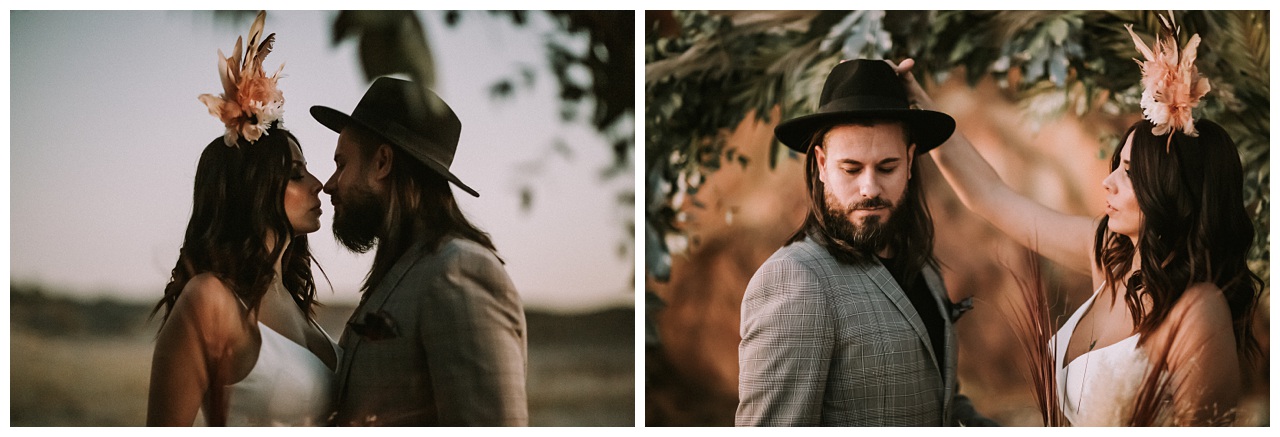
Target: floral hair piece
<point x="250" y="102"/>
<point x="1171" y="84"/>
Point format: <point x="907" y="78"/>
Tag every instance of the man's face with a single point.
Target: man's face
<point x="358" y="213"/>
<point x="865" y="170"/>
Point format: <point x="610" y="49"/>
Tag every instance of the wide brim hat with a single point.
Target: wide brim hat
<point x="865" y="89"/>
<point x="408" y="116"/>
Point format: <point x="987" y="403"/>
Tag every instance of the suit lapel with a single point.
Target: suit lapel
<point x="934" y="281"/>
<point x="377" y="298"/>
<point x="884" y="280"/>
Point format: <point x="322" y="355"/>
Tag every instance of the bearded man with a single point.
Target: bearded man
<point x="439" y="335"/>
<point x="849" y="323"/>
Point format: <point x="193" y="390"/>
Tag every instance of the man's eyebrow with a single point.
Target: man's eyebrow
<point x="883" y="161"/>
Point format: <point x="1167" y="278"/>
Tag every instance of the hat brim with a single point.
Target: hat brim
<point x="337" y="120"/>
<point x="928" y="129"/>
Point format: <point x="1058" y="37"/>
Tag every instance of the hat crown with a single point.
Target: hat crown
<point x="865" y="89"/>
<point x="407" y="116"/>
<point x="863" y="84"/>
<point x="415" y="109"/>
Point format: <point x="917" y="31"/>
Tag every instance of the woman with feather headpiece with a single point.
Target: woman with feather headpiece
<point x="238" y="340"/>
<point x="1160" y="340"/>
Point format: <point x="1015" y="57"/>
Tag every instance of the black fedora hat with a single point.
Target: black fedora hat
<point x="866" y="89"/>
<point x="408" y="116"/>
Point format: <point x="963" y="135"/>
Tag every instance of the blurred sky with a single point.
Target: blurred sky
<point x="106" y="131"/>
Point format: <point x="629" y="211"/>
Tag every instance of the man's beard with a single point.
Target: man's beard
<point x="873" y="234"/>
<point x="362" y="216"/>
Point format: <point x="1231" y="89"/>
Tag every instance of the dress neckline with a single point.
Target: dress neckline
<point x="300" y="346"/>
<point x="1088" y="305"/>
<point x="308" y="350"/>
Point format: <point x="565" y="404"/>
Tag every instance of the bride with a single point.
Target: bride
<point x="1173" y="298"/>
<point x="238" y="340"/>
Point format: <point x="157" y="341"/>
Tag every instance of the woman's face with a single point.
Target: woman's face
<point x="302" y="195"/>
<point x="1124" y="216"/>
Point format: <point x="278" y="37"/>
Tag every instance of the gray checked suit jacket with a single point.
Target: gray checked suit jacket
<point x="457" y="354"/>
<point x="831" y="344"/>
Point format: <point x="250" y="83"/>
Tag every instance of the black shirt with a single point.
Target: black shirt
<point x="925" y="304"/>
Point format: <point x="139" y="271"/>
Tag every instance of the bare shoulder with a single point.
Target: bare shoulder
<point x="207" y="301"/>
<point x="1202" y="311"/>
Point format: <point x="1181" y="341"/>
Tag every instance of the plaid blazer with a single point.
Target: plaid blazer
<point x="440" y="341"/>
<point x="833" y="344"/>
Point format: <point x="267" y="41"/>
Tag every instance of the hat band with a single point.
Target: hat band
<point x="409" y="140"/>
<point x="863" y="103"/>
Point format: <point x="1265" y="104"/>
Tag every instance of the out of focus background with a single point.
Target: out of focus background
<point x="106" y="131"/>
<point x="1043" y="96"/>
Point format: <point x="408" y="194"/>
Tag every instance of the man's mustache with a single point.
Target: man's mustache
<point x="872" y="203"/>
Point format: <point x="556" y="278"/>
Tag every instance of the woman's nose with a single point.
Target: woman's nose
<point x="316" y="185"/>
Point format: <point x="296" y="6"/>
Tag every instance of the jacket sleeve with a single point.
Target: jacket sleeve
<point x="786" y="347"/>
<point x="473" y="332"/>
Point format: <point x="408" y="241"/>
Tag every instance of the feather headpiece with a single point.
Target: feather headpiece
<point x="250" y="101"/>
<point x="1171" y="84"/>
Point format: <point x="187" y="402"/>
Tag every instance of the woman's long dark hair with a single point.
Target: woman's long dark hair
<point x="420" y="206"/>
<point x="912" y="243"/>
<point x="1194" y="229"/>
<point x="238" y="201"/>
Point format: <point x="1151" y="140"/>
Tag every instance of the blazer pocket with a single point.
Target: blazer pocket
<point x="375" y="326"/>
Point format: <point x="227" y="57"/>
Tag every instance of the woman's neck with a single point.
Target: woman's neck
<point x="1136" y="263"/>
<point x="279" y="264"/>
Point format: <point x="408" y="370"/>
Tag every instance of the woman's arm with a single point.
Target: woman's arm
<point x="1065" y="239"/>
<point x="1203" y="364"/>
<point x="191" y="351"/>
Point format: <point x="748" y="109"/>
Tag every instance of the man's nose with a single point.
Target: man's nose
<point x="330" y="184"/>
<point x="868" y="186"/>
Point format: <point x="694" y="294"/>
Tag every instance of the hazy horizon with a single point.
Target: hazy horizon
<point x="105" y="131"/>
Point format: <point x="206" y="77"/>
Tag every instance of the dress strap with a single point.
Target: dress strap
<point x="241" y="300"/>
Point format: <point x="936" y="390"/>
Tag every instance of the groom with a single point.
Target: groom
<point x="439" y="335"/>
<point x="849" y="324"/>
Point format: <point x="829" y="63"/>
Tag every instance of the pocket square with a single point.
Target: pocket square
<point x="959" y="308"/>
<point x="375" y="326"/>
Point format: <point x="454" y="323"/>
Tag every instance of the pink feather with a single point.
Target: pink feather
<point x="1172" y="86"/>
<point x="250" y="102"/>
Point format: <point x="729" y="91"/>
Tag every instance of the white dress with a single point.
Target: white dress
<point x="288" y="385"/>
<point x="1098" y="387"/>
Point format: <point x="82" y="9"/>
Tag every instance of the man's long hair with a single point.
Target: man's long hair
<point x="419" y="207"/>
<point x="911" y="241"/>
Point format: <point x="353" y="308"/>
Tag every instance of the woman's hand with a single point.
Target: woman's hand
<point x="915" y="93"/>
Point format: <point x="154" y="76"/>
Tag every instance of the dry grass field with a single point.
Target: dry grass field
<point x="87" y="364"/>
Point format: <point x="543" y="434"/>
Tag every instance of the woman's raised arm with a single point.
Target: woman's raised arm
<point x="1066" y="239"/>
